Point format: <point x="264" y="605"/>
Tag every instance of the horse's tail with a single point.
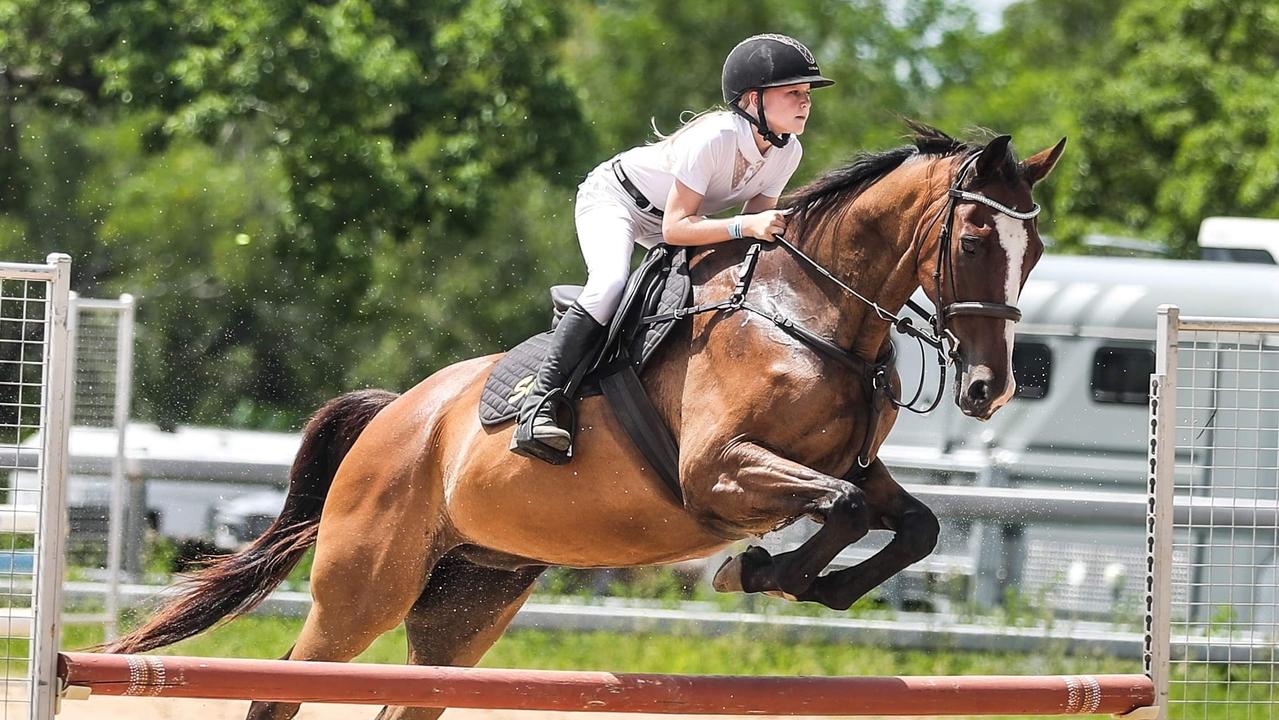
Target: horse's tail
<point x="232" y="585"/>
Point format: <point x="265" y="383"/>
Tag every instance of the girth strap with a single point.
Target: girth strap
<point x="635" y="411"/>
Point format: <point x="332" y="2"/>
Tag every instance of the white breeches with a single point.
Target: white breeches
<point x="608" y="227"/>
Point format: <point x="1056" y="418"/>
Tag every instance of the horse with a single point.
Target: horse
<point x="421" y="516"/>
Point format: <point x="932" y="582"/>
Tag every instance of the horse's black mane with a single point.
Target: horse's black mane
<point x="813" y="203"/>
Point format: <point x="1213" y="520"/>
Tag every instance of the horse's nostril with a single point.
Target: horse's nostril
<point x="979" y="391"/>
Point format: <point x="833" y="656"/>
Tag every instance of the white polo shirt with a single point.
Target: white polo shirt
<point x="715" y="156"/>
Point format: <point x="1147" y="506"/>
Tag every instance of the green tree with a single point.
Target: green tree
<point x="386" y="116"/>
<point x="1183" y="122"/>
<point x="252" y="169"/>
<point x="1031" y="78"/>
<point x="1166" y="105"/>
<point x="314" y="196"/>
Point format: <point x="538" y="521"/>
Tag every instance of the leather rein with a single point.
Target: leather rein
<point x="877" y="375"/>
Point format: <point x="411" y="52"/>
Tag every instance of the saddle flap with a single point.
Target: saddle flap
<point x="660" y="284"/>
<point x="511" y="379"/>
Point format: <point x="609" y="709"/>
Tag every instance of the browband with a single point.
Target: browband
<point x="982" y="199"/>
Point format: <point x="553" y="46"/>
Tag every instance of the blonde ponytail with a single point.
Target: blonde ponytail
<point x="687" y="119"/>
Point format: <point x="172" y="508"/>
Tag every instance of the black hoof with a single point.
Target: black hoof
<point x="741" y="573"/>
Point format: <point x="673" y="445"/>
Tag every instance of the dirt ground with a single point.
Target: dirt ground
<point x="117" y="708"/>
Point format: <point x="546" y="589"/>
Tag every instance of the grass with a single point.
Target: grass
<point x="734" y="654"/>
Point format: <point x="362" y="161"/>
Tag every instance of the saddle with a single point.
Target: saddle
<point x="655" y="294"/>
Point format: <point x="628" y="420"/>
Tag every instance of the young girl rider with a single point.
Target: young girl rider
<point x="663" y="192"/>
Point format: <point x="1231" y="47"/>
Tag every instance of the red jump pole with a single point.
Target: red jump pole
<point x="292" y="681"/>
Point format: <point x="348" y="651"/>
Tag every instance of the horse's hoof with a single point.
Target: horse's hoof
<point x="781" y="594"/>
<point x="728" y="578"/>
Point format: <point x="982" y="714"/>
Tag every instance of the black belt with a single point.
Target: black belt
<point x="640" y="201"/>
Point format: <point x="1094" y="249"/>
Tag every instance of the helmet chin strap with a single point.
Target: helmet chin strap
<point x="762" y="123"/>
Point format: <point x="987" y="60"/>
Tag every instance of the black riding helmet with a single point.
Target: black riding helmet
<point x="768" y="61"/>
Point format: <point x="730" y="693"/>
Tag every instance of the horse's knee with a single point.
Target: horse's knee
<point x="918" y="533"/>
<point x="851" y="511"/>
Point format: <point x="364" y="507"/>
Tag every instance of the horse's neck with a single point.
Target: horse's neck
<point x="873" y="250"/>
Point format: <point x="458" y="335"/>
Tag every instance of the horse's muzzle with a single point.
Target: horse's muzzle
<point x="978" y="393"/>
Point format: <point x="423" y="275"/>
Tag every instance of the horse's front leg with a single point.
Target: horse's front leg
<point x="758" y="489"/>
<point x="891" y="508"/>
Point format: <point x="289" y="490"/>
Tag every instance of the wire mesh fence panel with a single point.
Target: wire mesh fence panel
<point x="96" y="354"/>
<point x="102" y="341"/>
<point x="1225" y="545"/>
<point x="32" y="397"/>
<point x="23" y="349"/>
<point x="101" y="338"/>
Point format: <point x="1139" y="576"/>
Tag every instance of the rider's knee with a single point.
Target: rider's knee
<point x="602" y="294"/>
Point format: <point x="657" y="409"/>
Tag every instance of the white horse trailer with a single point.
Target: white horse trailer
<point x="1233" y="239"/>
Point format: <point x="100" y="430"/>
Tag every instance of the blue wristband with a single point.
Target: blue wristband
<point x="735" y="228"/>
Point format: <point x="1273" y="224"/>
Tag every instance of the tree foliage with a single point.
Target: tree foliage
<point x="1184" y="122"/>
<point x="313" y="196"/>
<point x="266" y="175"/>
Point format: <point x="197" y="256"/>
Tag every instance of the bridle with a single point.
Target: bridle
<point x="956" y="195"/>
<point x="943" y="342"/>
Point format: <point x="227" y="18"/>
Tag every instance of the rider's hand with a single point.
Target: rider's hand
<point x="763" y="226"/>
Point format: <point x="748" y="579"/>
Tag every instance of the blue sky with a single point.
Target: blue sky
<point x="988" y="11"/>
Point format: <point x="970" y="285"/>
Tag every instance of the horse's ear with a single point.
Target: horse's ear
<point x="994" y="158"/>
<point x="1037" y="166"/>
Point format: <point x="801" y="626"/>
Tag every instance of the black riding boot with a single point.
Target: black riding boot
<point x="538" y="432"/>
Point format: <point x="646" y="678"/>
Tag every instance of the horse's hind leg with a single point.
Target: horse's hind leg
<point x="462" y="612"/>
<point x="363" y="585"/>
<point x="892" y="508"/>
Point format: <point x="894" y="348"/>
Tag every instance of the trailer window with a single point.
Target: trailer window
<point x="1031" y="364"/>
<point x="1122" y="375"/>
<point x="1239" y="255"/>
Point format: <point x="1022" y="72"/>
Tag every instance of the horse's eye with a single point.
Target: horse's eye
<point x="969" y="243"/>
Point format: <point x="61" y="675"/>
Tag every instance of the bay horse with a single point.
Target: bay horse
<point x="420" y="515"/>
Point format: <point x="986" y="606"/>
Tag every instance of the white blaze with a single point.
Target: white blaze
<point x="1015" y="240"/>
